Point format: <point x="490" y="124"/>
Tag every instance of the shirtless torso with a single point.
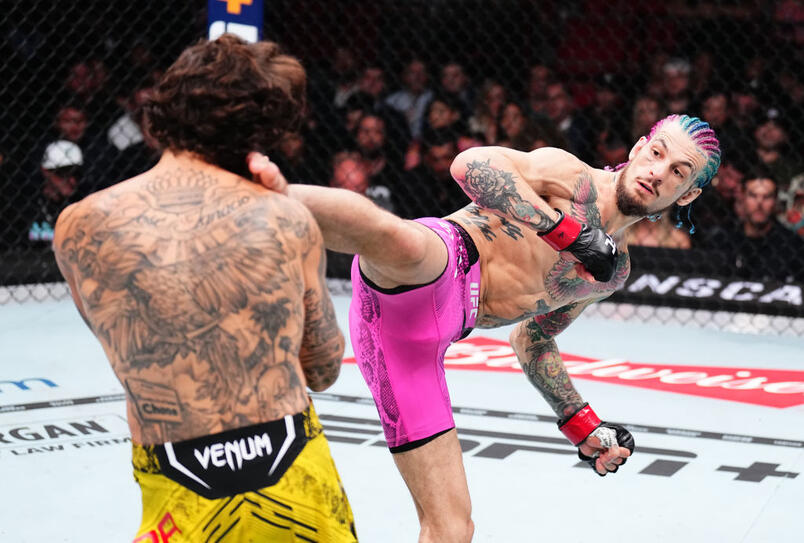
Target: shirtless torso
<point x="521" y="276"/>
<point x="207" y="294"/>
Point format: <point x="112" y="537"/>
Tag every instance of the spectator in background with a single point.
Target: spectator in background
<point x="488" y="108"/>
<point x="610" y="150"/>
<point x="61" y="172"/>
<point x="660" y="233"/>
<point x="86" y="85"/>
<point x="71" y="124"/>
<point x="758" y="76"/>
<point x="372" y="97"/>
<point x="702" y="75"/>
<point x="540" y="77"/>
<point x="377" y="153"/>
<point x="646" y="112"/>
<point x="443" y="114"/>
<point x="513" y="126"/>
<point x="414" y="96"/>
<point x="349" y="172"/>
<point x="454" y="82"/>
<point x="760" y="247"/>
<point x="772" y="150"/>
<point x="722" y="206"/>
<point x="602" y="121"/>
<point x="343" y="130"/>
<point x="746" y="106"/>
<point x="561" y="112"/>
<point x="716" y="109"/>
<point x="791" y="85"/>
<point x="372" y="82"/>
<point x="345" y="76"/>
<point x="789" y="18"/>
<point x="543" y="133"/>
<point x="676" y="92"/>
<point x="130" y="153"/>
<point x="299" y="165"/>
<point x="655" y="72"/>
<point x="429" y="190"/>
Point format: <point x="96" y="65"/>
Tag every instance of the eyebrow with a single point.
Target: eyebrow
<point x="681" y="162"/>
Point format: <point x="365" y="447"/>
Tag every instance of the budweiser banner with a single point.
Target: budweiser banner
<point x="766" y="387"/>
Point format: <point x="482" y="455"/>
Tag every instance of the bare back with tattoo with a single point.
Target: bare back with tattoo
<point x="207" y="294"/>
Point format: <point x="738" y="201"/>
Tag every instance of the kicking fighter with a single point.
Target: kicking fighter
<point x="543" y="239"/>
<point x="207" y="293"/>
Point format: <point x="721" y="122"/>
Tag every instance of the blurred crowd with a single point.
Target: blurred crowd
<point x="391" y="130"/>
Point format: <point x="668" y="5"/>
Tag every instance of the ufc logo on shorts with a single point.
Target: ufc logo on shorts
<point x="610" y="243"/>
<point x="474" y="299"/>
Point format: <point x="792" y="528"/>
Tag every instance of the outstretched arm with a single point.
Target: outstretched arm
<point x="534" y="344"/>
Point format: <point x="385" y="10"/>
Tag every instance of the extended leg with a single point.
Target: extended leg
<point x="436" y="478"/>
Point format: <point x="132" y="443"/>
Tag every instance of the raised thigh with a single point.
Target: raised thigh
<point x="390" y="266"/>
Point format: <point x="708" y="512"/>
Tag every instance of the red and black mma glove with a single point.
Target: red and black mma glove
<point x="584" y="423"/>
<point x="593" y="247"/>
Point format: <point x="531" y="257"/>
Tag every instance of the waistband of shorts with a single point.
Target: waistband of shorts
<point x="145" y="457"/>
<point x="472" y="253"/>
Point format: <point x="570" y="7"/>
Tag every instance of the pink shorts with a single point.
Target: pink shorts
<point x="400" y="335"/>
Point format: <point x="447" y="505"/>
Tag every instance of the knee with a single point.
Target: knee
<point x="457" y="528"/>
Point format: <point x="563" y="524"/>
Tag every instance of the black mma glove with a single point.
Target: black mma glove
<point x="584" y="423"/>
<point x="593" y="247"/>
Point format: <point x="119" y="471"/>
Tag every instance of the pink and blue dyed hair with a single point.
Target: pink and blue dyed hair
<point x="708" y="145"/>
<point x="704" y="139"/>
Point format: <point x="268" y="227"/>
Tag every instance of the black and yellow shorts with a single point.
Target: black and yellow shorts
<point x="273" y="482"/>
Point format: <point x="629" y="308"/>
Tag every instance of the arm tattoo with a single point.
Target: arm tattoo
<point x="545" y="370"/>
<point x="495" y="189"/>
<point x="542" y="362"/>
<point x="321" y="353"/>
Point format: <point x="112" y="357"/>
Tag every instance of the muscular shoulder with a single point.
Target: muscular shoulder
<point x="294" y="219"/>
<point x="557" y="169"/>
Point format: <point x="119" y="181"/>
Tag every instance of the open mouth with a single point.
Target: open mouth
<point x="647" y="188"/>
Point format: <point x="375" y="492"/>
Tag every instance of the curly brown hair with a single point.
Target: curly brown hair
<point x="224" y="98"/>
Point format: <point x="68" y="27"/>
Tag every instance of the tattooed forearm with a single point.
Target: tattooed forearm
<point x="495" y="189"/>
<point x="545" y="370"/>
<point x="322" y="347"/>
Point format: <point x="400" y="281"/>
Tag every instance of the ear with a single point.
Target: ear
<point x="689" y="196"/>
<point x="637" y="146"/>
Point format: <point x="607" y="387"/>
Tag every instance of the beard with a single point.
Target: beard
<point x="627" y="204"/>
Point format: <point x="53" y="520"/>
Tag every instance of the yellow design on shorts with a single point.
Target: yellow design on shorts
<point x="307" y="504"/>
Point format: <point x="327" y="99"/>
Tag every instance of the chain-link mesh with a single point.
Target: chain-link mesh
<point x="396" y="89"/>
